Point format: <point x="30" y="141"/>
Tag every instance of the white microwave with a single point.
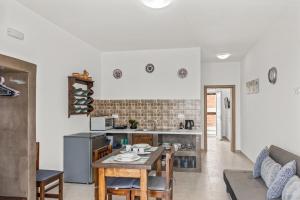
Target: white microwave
<point x="101" y="123"/>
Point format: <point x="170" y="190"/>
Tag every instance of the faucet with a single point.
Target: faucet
<point x="154" y="124"/>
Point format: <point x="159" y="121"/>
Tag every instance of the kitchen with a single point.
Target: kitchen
<point x="185" y="138"/>
<point x="158" y="115"/>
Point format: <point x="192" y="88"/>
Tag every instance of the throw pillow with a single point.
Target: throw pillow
<point x="291" y="190"/>
<point x="260" y="158"/>
<point x="269" y="170"/>
<point x="283" y="176"/>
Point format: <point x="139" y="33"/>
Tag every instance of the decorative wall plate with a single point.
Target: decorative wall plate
<point x="117" y="74"/>
<point x="182" y="73"/>
<point x="149" y="68"/>
<point x="272" y="75"/>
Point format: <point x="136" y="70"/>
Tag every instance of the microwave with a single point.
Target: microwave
<point x="101" y="123"/>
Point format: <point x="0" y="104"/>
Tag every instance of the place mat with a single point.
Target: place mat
<point x="111" y="160"/>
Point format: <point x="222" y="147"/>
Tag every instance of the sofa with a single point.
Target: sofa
<point x="241" y="185"/>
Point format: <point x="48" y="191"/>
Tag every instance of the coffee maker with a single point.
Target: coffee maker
<point x="189" y="124"/>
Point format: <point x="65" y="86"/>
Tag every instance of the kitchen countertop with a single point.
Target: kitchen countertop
<point x="145" y="131"/>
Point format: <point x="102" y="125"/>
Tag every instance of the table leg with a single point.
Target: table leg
<point x="158" y="167"/>
<point x="101" y="184"/>
<point x="144" y="184"/>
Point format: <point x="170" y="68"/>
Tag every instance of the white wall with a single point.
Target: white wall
<point x="272" y="116"/>
<point x="225" y="73"/>
<point x="57" y="54"/>
<point x="163" y="83"/>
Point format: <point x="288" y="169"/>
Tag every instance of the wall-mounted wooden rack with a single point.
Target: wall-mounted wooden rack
<point x="80" y="98"/>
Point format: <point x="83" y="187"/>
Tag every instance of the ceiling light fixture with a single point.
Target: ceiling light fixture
<point x="223" y="56"/>
<point x="156" y="4"/>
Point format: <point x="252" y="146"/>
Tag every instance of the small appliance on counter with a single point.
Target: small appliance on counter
<point x="189" y="124"/>
<point x="101" y="123"/>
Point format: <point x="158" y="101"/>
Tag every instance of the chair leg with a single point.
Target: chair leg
<point x="128" y="197"/>
<point x="60" y="188"/>
<point x="42" y="191"/>
<point x="37" y="193"/>
<point x="132" y="196"/>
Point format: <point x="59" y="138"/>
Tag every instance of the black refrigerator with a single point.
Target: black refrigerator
<point x="78" y="155"/>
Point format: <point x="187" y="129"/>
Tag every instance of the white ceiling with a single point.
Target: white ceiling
<point x="214" y="25"/>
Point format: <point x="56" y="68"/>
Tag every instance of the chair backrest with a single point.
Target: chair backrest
<point x="37" y="161"/>
<point x="101" y="152"/>
<point x="169" y="167"/>
<point x="98" y="154"/>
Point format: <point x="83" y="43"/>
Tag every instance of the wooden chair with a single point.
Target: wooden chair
<point x="159" y="187"/>
<point x="47" y="180"/>
<point x="115" y="186"/>
<point x="98" y="154"/>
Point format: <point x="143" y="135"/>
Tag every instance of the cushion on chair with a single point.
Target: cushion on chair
<point x="260" y="158"/>
<point x="269" y="170"/>
<point x="119" y="183"/>
<point x="154" y="183"/>
<point x="43" y="175"/>
<point x="283" y="176"/>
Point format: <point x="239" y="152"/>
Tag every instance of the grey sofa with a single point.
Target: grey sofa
<point x="241" y="185"/>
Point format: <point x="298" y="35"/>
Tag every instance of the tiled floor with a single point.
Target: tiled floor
<point x="207" y="185"/>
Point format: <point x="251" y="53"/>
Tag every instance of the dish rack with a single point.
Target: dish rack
<point x="80" y="96"/>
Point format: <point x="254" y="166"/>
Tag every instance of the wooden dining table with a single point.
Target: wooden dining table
<point x="127" y="170"/>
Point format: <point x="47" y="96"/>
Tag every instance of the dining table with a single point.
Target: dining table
<point x="107" y="167"/>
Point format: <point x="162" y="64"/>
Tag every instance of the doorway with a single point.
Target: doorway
<point x="219" y="114"/>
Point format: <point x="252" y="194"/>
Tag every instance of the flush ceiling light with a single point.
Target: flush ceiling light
<point x="223" y="56"/>
<point x="156" y="4"/>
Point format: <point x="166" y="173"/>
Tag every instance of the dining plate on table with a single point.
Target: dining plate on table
<point x="144" y="146"/>
<point x="144" y="153"/>
<point x="127" y="157"/>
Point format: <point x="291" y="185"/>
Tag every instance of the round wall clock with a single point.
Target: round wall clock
<point x="149" y="68"/>
<point x="117" y="74"/>
<point x="182" y="73"/>
<point x="272" y="75"/>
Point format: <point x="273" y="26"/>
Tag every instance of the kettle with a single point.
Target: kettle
<point x="189" y="124"/>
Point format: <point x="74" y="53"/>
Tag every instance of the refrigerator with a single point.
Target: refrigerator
<point x="78" y="152"/>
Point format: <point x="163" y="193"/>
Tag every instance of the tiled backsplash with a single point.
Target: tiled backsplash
<point x="163" y="112"/>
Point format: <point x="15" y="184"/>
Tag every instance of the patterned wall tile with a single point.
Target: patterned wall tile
<point x="164" y="113"/>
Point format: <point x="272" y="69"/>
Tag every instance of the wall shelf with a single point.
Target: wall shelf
<point x="88" y="85"/>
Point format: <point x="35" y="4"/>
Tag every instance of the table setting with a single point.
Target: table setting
<point x="132" y="154"/>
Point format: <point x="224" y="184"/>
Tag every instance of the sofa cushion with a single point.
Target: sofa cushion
<point x="282" y="157"/>
<point x="260" y="158"/>
<point x="269" y="171"/>
<point x="245" y="186"/>
<point x="291" y="190"/>
<point x="283" y="176"/>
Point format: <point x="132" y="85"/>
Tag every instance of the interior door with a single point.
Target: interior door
<point x="219" y="115"/>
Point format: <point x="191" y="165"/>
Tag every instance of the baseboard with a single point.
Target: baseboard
<point x="241" y="152"/>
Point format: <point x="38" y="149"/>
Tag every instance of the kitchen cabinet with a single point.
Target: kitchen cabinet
<point x="142" y="139"/>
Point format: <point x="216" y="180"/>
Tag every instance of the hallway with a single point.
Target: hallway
<point x="208" y="185"/>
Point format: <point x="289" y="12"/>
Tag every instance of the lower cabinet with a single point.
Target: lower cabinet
<point x="142" y="139"/>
